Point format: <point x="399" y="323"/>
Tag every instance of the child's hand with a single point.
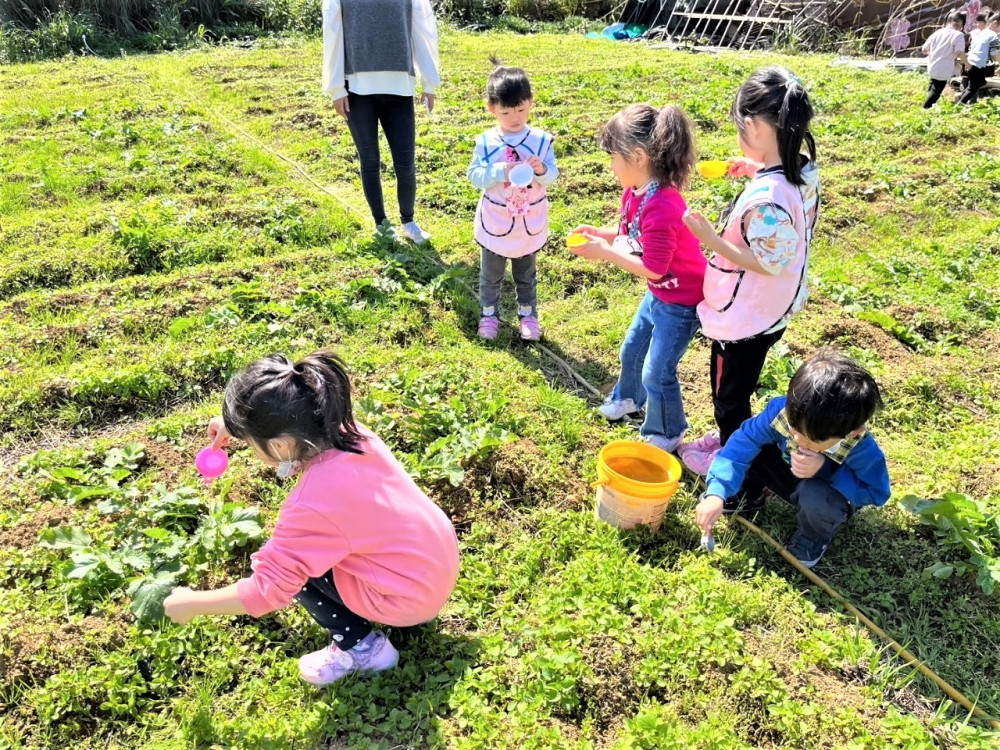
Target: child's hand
<point x="180" y="606"/>
<point x="708" y="512"/>
<point x="741" y="166"/>
<point x="506" y="170"/>
<point x="428" y="101"/>
<point x="700" y="226"/>
<point x="218" y="435"/>
<point x="805" y="463"/>
<point x="596" y="249"/>
<point x="605" y="234"/>
<point x="537" y="164"/>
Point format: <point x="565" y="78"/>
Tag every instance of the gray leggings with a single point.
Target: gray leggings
<point x="493" y="268"/>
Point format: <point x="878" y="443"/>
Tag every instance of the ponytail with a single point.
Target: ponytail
<point x="665" y="134"/>
<point x="309" y="401"/>
<point x="776" y="96"/>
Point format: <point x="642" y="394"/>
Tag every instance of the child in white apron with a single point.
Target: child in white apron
<point x="512" y="220"/>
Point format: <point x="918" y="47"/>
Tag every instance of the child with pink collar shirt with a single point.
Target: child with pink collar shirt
<point x="757" y="277"/>
<point x="356" y="541"/>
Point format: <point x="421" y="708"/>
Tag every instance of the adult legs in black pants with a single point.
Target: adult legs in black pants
<point x="735" y="369"/>
<point x="934" y="91"/>
<point x="396" y="115"/>
<point x="977" y="79"/>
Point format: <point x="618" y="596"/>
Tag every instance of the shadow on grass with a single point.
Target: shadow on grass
<point x="460" y="284"/>
<point x="402" y="707"/>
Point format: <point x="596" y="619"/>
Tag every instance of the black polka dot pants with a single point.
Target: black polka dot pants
<point x="320" y="598"/>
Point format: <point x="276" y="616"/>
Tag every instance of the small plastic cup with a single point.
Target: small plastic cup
<point x="521" y="175"/>
<point x="575" y="240"/>
<point x="211" y="463"/>
<point x="708" y="542"/>
<point x="714" y="169"/>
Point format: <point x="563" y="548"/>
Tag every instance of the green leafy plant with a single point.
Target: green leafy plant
<point x="962" y="525"/>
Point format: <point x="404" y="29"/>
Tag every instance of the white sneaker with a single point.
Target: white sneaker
<point x="373" y="654"/>
<point x="413" y="232"/>
<point x="613" y="410"/>
<point x="664" y="443"/>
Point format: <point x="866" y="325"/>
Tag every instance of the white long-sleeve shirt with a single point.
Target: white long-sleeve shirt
<point x="424" y="43"/>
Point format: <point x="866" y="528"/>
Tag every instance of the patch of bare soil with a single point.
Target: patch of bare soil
<point x="24" y="535"/>
<point x="35" y="649"/>
<point x="865" y="335"/>
<point x="612" y="693"/>
<point x="517" y="474"/>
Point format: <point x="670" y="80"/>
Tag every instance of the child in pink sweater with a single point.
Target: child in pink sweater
<point x="652" y="154"/>
<point x="355" y="541"/>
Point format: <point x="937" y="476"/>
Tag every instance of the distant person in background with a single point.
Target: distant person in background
<point x="372" y="53"/>
<point x="995" y="28"/>
<point x="945" y="47"/>
<point x="984" y="47"/>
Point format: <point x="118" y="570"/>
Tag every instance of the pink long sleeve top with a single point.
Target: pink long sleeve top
<point x="666" y="245"/>
<point x="393" y="552"/>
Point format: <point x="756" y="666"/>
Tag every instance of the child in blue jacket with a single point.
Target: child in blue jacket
<point x="811" y="447"/>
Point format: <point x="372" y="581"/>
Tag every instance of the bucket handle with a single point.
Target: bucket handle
<point x="598" y="483"/>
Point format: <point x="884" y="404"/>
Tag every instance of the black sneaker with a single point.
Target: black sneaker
<point x="806" y="552"/>
<point x="740" y="503"/>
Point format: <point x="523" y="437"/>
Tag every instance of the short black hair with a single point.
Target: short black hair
<point x="831" y="396"/>
<point x="981" y="18"/>
<point x="507" y="87"/>
<point x="957" y="16"/>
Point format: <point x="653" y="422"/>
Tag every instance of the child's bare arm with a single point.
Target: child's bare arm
<point x="183" y="604"/>
<point x="704" y="231"/>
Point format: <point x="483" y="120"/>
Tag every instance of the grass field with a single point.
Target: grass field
<point x="151" y="245"/>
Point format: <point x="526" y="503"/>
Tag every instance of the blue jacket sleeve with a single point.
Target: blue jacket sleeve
<point x="864" y="477"/>
<point x="482" y="174"/>
<point x="732" y="462"/>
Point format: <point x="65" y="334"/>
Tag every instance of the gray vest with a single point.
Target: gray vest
<point x="378" y="36"/>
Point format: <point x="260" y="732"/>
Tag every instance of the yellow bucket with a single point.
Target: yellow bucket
<point x="635" y="484"/>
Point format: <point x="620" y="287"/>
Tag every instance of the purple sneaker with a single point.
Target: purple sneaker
<point x="529" y="328"/>
<point x="373" y="653"/>
<point x="488" y="327"/>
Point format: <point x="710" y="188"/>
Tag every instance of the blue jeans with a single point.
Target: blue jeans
<point x="655" y="342"/>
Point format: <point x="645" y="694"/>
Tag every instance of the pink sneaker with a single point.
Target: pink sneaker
<point x="488" y="327"/>
<point x="707" y="443"/>
<point x="373" y="653"/>
<point x="529" y="328"/>
<point x="697" y="461"/>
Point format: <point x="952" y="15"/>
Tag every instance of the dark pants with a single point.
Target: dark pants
<point x="395" y="113"/>
<point x="493" y="268"/>
<point x="320" y="598"/>
<point x="977" y="79"/>
<point x="822" y="509"/>
<point x="934" y="91"/>
<point x="735" y="369"/>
